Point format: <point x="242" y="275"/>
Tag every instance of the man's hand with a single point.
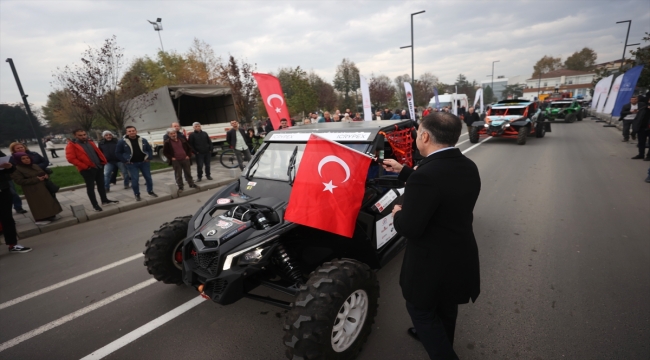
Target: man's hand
<point x="173" y="159"/>
<point x="41" y="178"/>
<point x="396" y="208"/>
<point x="187" y="158"/>
<point x="392" y="165"/>
<point x="6" y="165"/>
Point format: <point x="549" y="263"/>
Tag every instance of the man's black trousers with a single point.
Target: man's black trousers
<point x="202" y="159"/>
<point x="435" y="329"/>
<point x="643" y="136"/>
<point x="94" y="176"/>
<point x="7" y="218"/>
<point x="627" y="124"/>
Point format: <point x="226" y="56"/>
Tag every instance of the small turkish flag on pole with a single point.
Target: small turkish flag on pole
<point x="273" y="98"/>
<point x="329" y="187"/>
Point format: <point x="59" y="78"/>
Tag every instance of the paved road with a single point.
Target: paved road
<point x="564" y="239"/>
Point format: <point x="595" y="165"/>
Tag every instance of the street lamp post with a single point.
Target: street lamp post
<point x="30" y="116"/>
<point x="493" y="73"/>
<point x="629" y="24"/>
<point x="411" y="46"/>
<point x="157" y="26"/>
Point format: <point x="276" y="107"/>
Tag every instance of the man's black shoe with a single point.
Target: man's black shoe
<point x="193" y="186"/>
<point x="412" y="333"/>
<point x="637" y="157"/>
<point x="647" y="179"/>
<point x="97" y="208"/>
<point x="153" y="194"/>
<point x="198" y="180"/>
<point x="108" y="190"/>
<point x="208" y="177"/>
<point x="21" y="211"/>
<point x="634" y="137"/>
<point x="137" y="198"/>
<point x="625" y="140"/>
<point x="109" y="202"/>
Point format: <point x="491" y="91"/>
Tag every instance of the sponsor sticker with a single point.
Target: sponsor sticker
<point x="251" y="183"/>
<point x="224" y="201"/>
<point x="334" y="136"/>
<point x="385" y="230"/>
<point x="224" y="224"/>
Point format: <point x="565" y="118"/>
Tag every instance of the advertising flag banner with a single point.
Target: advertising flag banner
<point x="273" y="98"/>
<point x="603" y="93"/>
<point x="613" y="94"/>
<point x="365" y="95"/>
<point x="627" y="88"/>
<point x="479" y="97"/>
<point x="435" y="93"/>
<point x="597" y="92"/>
<point x="409" y="99"/>
<point x="329" y="187"/>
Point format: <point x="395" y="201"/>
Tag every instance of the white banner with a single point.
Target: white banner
<point x="597" y="92"/>
<point x="613" y="94"/>
<point x="409" y="99"/>
<point x="479" y="95"/>
<point x="605" y="90"/>
<point x="365" y="95"/>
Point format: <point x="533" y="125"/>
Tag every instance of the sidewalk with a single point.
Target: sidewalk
<point x="77" y="207"/>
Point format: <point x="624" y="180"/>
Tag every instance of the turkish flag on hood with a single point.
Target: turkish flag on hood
<point x="273" y="97"/>
<point x="329" y="187"/>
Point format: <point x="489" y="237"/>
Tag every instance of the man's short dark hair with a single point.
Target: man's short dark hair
<point x="283" y="119"/>
<point x="75" y="131"/>
<point x="445" y="127"/>
<point x="129" y="127"/>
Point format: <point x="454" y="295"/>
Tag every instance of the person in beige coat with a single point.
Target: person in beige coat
<point x="31" y="178"/>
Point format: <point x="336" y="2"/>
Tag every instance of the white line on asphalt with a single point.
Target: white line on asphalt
<point x="67" y="282"/>
<point x="143" y="330"/>
<point x="51" y="325"/>
<point x="475" y="145"/>
<point x="462" y="142"/>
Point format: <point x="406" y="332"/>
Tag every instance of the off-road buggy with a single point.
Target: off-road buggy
<point x="239" y="240"/>
<point x="513" y="119"/>
<point x="568" y="110"/>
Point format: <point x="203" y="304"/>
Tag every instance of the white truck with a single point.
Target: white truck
<point x="452" y="101"/>
<point x="211" y="105"/>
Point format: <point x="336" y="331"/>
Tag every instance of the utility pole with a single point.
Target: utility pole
<point x="30" y="115"/>
<point x="493" y="74"/>
<point x="412" y="46"/>
<point x="629" y="24"/>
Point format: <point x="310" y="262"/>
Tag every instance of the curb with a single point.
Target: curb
<point x="29" y="230"/>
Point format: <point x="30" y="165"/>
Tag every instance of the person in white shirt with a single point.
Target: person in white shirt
<point x="628" y="113"/>
<point x="49" y="145"/>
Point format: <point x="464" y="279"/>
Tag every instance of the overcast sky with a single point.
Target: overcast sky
<point x="452" y="37"/>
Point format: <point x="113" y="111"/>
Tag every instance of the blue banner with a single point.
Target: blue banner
<point x="435" y="93"/>
<point x="627" y="89"/>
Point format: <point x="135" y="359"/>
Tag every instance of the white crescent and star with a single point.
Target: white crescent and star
<point x="274" y="96"/>
<point x="331" y="158"/>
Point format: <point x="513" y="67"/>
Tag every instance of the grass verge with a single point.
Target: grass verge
<point x="65" y="176"/>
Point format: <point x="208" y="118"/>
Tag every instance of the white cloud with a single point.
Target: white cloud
<point x="452" y="37"/>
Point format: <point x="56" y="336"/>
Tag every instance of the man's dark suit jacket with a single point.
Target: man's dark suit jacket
<point x="441" y="262"/>
<point x="231" y="138"/>
<point x="625" y="110"/>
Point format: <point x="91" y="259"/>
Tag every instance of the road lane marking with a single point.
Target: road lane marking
<point x="462" y="142"/>
<point x="475" y="145"/>
<point x="68" y="282"/>
<point x="143" y="330"/>
<point x="51" y="325"/>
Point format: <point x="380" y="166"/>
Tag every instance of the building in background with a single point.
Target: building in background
<point x="577" y="83"/>
<point x="500" y="83"/>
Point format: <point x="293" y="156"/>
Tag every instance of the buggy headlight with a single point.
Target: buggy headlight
<point x="486" y="125"/>
<point x="251" y="257"/>
<point x="228" y="263"/>
<point x="507" y="125"/>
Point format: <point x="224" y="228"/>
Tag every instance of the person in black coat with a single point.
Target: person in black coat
<point x="470" y="117"/>
<point x="441" y="265"/>
<point x="628" y="114"/>
<point x="268" y="127"/>
<point x="640" y="127"/>
<point x="240" y="142"/>
<point x="202" y="146"/>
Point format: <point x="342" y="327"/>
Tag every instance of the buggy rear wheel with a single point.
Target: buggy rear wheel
<point x="163" y="253"/>
<point x="540" y="129"/>
<point x="333" y="313"/>
<point x="570" y="118"/>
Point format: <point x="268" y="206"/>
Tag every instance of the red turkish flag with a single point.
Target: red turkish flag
<point x="329" y="187"/>
<point x="273" y="98"/>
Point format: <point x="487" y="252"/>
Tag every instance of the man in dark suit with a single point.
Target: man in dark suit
<point x="240" y="142"/>
<point x="628" y="114"/>
<point x="441" y="265"/>
<point x="640" y="126"/>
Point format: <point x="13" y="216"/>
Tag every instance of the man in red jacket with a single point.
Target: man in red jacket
<point x="89" y="160"/>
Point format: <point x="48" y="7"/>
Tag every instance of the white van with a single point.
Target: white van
<point x="453" y="101"/>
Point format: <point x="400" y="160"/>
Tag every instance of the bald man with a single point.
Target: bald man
<point x="180" y="131"/>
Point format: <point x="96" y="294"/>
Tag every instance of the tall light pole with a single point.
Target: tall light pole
<point x="411" y="46"/>
<point x="30" y="116"/>
<point x="493" y="73"/>
<point x="157" y="26"/>
<point x="629" y="24"/>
